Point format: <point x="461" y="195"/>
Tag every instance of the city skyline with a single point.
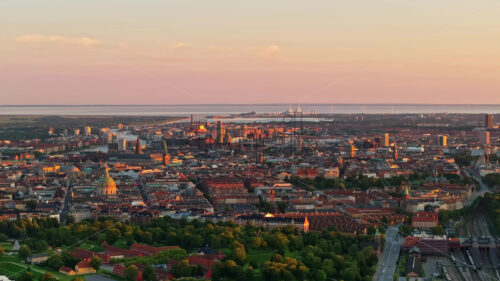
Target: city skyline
<point x="220" y="52"/>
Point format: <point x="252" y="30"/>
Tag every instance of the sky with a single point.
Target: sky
<point x="229" y="51"/>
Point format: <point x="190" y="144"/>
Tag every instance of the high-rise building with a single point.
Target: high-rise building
<point x="109" y="137"/>
<point x="386" y="140"/>
<point x="87" y="131"/>
<point x="220" y="132"/>
<point x="378" y="142"/>
<point x="395" y="152"/>
<point x="138" y="149"/>
<point x="484" y="137"/>
<point x="122" y="144"/>
<point x="443" y="140"/>
<point x="489" y="121"/>
<point x="77" y="132"/>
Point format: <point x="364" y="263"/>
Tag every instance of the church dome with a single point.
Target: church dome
<point x="106" y="185"/>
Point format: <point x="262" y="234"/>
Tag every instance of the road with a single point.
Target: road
<point x="479" y="193"/>
<point x="68" y="197"/>
<point x="144" y="193"/>
<point x="388" y="261"/>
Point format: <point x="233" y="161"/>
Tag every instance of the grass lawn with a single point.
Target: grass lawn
<point x="91" y="247"/>
<point x="257" y="275"/>
<point x="121" y="244"/>
<point x="7" y="246"/>
<point x="259" y="256"/>
<point x="226" y="251"/>
<point x="7" y="268"/>
<point x="11" y="267"/>
<point x="87" y="245"/>
<point x="293" y="254"/>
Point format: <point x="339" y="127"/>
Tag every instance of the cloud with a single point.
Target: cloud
<point x="221" y="49"/>
<point x="55" y="39"/>
<point x="271" y="50"/>
<point x="179" y="46"/>
<point x="265" y="51"/>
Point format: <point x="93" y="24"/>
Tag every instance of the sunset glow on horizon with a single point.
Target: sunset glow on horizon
<point x="205" y="52"/>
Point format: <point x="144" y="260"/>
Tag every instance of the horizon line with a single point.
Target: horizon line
<point x="249" y="104"/>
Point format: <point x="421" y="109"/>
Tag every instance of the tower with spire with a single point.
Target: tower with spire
<point x="395" y="152"/>
<point x="106" y="185"/>
<point x="166" y="156"/>
<point x="407" y="193"/>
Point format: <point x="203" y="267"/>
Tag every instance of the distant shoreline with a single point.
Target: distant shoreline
<point x="249" y="104"/>
<point x="204" y="110"/>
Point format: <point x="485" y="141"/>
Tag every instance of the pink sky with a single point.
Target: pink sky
<point x="186" y="51"/>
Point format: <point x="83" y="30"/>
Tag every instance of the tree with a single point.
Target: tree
<point x="149" y="274"/>
<point x="129" y="238"/>
<point x="350" y="273"/>
<point x="78" y="279"/>
<point x="69" y="260"/>
<point x="405" y="229"/>
<point x="257" y="242"/>
<point x="112" y="235"/>
<point x="282" y="205"/>
<point x="55" y="261"/>
<point x="182" y="269"/>
<point x="1" y="251"/>
<point x="38" y="245"/>
<point x="48" y="277"/>
<point x="239" y="253"/>
<point x="296" y="243"/>
<point x="70" y="219"/>
<point x="229" y="270"/>
<point x="95" y="262"/>
<point x="27" y="276"/>
<point x="328" y="267"/>
<point x="24" y="252"/>
<point x="384" y="220"/>
<point x="284" y="269"/>
<point x="131" y="273"/>
<point x="279" y="241"/>
<point x="438" y="230"/>
<point x="3" y="237"/>
<point x="31" y="205"/>
<point x="319" y="275"/>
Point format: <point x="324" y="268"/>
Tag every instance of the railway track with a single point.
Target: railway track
<point x="463" y="266"/>
<point x="451" y="273"/>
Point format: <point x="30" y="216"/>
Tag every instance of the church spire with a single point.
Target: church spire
<point x="106" y="169"/>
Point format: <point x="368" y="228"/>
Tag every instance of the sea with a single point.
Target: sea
<point x="234" y="109"/>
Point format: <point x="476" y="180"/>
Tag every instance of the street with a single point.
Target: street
<point x="478" y="193"/>
<point x="387" y="263"/>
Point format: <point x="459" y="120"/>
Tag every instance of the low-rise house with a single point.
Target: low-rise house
<point x="38" y="258"/>
<point x="66" y="270"/>
<point x="84" y="267"/>
<point x="424" y="220"/>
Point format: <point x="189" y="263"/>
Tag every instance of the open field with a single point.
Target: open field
<point x="13" y="269"/>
